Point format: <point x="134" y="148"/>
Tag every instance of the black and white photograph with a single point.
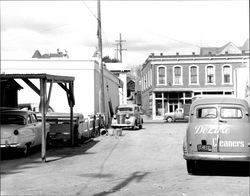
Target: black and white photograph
<point x="124" y="98"/>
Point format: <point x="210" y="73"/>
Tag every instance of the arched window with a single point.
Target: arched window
<point x="226" y="74"/>
<point x="177" y="75"/>
<point x="210" y="74"/>
<point x="161" y="75"/>
<point x="193" y="75"/>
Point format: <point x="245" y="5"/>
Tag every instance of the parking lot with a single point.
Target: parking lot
<point x="140" y="162"/>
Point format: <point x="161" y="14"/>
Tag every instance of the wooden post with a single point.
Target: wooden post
<point x="43" y="96"/>
<point x="71" y="104"/>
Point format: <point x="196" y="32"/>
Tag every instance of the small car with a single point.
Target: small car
<point x="60" y="127"/>
<point x="177" y="115"/>
<point x="21" y="130"/>
<point x="127" y="116"/>
<point x="218" y="130"/>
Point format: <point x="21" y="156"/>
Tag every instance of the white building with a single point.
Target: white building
<point x="86" y="85"/>
<point x="120" y="70"/>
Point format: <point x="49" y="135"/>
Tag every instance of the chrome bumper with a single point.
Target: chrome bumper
<point x="122" y="125"/>
<point x="217" y="157"/>
<point x="15" y="145"/>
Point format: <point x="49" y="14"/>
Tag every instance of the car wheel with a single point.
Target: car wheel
<point x="169" y="119"/>
<point x="192" y="166"/>
<point x="140" y="126"/>
<point x="26" y="150"/>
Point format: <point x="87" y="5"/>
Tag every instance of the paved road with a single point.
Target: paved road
<point x="142" y="162"/>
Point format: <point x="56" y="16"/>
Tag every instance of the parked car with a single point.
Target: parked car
<point x="218" y="130"/>
<point x="60" y="127"/>
<point x="20" y="129"/>
<point x="178" y="114"/>
<point x="127" y="116"/>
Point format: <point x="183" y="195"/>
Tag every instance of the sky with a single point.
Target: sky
<point x="146" y="26"/>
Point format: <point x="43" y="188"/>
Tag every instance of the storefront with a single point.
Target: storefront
<point x="169" y="101"/>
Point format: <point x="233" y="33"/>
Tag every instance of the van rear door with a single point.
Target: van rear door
<point x="234" y="129"/>
<point x="203" y="129"/>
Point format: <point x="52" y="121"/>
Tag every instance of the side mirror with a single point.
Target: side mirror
<point x="247" y="113"/>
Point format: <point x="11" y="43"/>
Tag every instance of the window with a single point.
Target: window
<point x="231" y="113"/>
<point x="161" y="75"/>
<point x="193" y="75"/>
<point x="177" y="75"/>
<point x="208" y="112"/>
<point x="226" y="74"/>
<point x="210" y="79"/>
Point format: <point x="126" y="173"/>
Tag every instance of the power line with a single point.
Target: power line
<point x="90" y="10"/>
<point x="169" y="38"/>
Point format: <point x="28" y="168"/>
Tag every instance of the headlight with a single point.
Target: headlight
<point x="16" y="132"/>
<point x="127" y="115"/>
<point x="114" y="116"/>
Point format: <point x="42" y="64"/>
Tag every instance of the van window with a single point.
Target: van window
<point x="208" y="112"/>
<point x="231" y="113"/>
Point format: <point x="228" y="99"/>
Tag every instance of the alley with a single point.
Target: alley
<point x="140" y="162"/>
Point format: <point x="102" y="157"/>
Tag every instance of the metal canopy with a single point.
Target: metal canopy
<point x="65" y="82"/>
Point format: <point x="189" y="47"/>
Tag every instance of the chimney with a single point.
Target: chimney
<point x="161" y="54"/>
<point x="177" y="53"/>
<point x="193" y="53"/>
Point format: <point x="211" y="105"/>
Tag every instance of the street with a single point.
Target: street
<point x="140" y="162"/>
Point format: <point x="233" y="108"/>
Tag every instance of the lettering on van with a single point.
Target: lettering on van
<point x="227" y="143"/>
<point x="201" y="129"/>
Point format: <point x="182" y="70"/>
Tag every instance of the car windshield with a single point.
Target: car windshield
<point x="125" y="109"/>
<point x="12" y="119"/>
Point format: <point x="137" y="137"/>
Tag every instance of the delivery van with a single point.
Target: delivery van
<point x="218" y="130"/>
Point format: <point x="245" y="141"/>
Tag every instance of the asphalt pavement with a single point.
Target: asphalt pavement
<point x="140" y="162"/>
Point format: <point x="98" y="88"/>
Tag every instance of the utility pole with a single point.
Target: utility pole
<point x="116" y="50"/>
<point x="120" y="46"/>
<point x="99" y="36"/>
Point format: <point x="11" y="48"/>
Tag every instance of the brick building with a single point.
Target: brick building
<point x="171" y="81"/>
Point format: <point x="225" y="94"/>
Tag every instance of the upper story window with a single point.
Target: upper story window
<point x="210" y="74"/>
<point x="177" y="75"/>
<point x="226" y="74"/>
<point x="193" y="75"/>
<point x="161" y="75"/>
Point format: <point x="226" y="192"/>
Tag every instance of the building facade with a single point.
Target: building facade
<point x="169" y="82"/>
<point x="86" y="84"/>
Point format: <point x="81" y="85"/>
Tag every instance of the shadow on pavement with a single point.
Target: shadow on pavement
<point x="13" y="162"/>
<point x="216" y="168"/>
<point x="135" y="176"/>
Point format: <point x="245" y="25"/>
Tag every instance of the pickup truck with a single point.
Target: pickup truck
<point x="177" y="115"/>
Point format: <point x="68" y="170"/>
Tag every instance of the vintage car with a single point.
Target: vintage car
<point x="60" y="127"/>
<point x="21" y="130"/>
<point x="127" y="116"/>
<point x="177" y="115"/>
<point x="218" y="130"/>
